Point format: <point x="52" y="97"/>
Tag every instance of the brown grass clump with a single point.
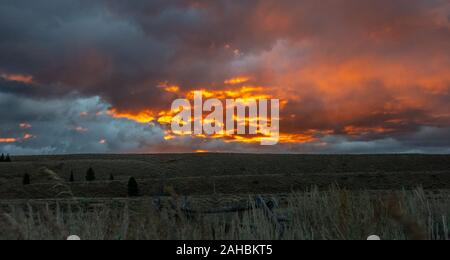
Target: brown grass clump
<point x="412" y="228"/>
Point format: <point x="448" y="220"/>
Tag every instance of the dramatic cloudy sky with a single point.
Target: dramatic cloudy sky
<point x="98" y="76"/>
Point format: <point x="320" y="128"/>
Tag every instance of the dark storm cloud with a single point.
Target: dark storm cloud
<point x="79" y="46"/>
<point x="374" y="73"/>
<point x="69" y="125"/>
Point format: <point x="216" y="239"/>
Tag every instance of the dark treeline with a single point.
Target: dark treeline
<point x="6" y="158"/>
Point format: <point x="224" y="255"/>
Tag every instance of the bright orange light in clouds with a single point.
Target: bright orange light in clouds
<point x="283" y="138"/>
<point x="352" y="130"/>
<point x="8" y="140"/>
<point x="244" y="93"/>
<point x="143" y="117"/>
<point x="171" y="89"/>
<point x="236" y="81"/>
<point x="27" y="79"/>
<point x="28" y="136"/>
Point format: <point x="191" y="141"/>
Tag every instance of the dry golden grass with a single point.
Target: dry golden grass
<point x="333" y="214"/>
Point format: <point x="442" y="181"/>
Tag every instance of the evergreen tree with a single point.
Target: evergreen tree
<point x="72" y="178"/>
<point x="8" y="158"/>
<point x="26" y="179"/>
<point x="2" y="158"/>
<point x="133" y="189"/>
<point x="90" y="175"/>
<point x="111" y="177"/>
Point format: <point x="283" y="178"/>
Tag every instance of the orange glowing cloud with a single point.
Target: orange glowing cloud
<point x="8" y="140"/>
<point x="169" y="88"/>
<point x="236" y="81"/>
<point x="395" y="75"/>
<point x="368" y="93"/>
<point x="282" y="138"/>
<point x="143" y="117"/>
<point x="27" y="79"/>
<point x="243" y="93"/>
<point x="28" y="137"/>
<point x="353" y="130"/>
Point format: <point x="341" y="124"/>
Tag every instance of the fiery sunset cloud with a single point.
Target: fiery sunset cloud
<point x="352" y="76"/>
<point x="8" y="140"/>
<point x="27" y="79"/>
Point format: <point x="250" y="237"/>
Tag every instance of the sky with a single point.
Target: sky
<point x="99" y="76"/>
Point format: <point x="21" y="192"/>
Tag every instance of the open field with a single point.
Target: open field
<point x="217" y="196"/>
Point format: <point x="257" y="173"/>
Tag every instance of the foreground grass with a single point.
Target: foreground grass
<point x="335" y="214"/>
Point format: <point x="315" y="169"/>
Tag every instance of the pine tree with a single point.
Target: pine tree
<point x="8" y="158"/>
<point x="133" y="189"/>
<point x="2" y="158"/>
<point x="72" y="177"/>
<point x="111" y="177"/>
<point x="26" y="179"/>
<point x="90" y="175"/>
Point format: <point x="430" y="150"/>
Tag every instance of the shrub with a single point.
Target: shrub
<point x="90" y="175"/>
<point x="26" y="179"/>
<point x="133" y="189"/>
